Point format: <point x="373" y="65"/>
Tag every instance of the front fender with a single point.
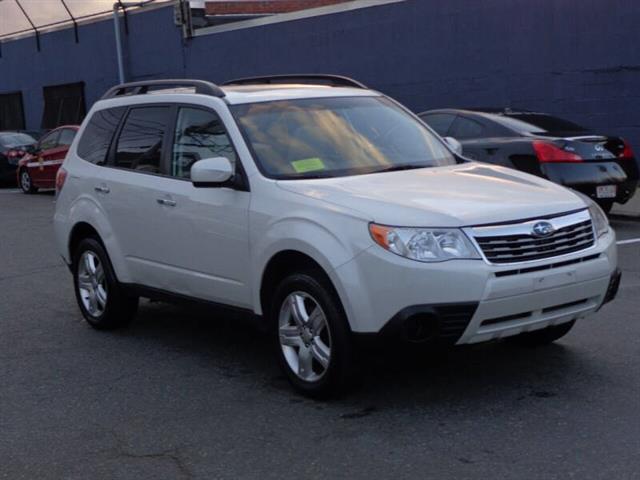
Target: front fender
<point x="306" y="235"/>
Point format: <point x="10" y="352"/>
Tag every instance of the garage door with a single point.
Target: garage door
<point x="63" y="105"/>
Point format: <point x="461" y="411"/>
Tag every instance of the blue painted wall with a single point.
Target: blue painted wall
<point x="576" y="58"/>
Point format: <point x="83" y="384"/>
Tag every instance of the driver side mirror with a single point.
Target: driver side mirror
<point x="454" y="144"/>
<point x="211" y="172"/>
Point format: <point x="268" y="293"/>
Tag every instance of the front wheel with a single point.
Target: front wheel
<point x="312" y="336"/>
<point x="543" y="337"/>
<point x="26" y="184"/>
<point x="102" y="301"/>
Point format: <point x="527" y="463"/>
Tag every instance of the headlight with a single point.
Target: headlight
<point x="424" y="244"/>
<point x="599" y="219"/>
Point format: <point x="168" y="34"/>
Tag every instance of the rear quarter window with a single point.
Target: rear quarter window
<point x="440" y="122"/>
<point x="96" y="138"/>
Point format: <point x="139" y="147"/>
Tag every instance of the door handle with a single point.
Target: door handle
<point x="166" y="202"/>
<point x="102" y="189"/>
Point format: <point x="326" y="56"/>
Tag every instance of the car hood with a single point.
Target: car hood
<point x="455" y="196"/>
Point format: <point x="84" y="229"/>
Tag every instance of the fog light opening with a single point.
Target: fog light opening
<point x="421" y="328"/>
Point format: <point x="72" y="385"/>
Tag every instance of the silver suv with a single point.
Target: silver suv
<point x="326" y="209"/>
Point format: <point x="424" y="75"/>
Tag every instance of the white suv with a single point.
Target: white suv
<point x="326" y="209"/>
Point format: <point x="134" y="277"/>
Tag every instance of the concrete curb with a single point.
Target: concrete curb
<point x="631" y="209"/>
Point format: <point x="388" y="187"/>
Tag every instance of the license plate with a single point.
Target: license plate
<point x="606" y="191"/>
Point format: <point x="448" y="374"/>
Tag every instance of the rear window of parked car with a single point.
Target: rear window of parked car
<point x="538" y="123"/>
<point x="95" y="141"/>
<point x="15" y="140"/>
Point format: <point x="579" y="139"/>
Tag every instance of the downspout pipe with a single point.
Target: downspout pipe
<point x="120" y="5"/>
<point x="116" y="27"/>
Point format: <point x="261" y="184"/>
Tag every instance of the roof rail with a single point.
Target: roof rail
<point x="140" y="88"/>
<point x="304" y="78"/>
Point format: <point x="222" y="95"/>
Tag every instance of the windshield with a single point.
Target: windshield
<point x="338" y="136"/>
<point x="10" y="140"/>
<point x="537" y="123"/>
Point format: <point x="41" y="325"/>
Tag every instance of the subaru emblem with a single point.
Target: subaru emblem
<point x="542" y="229"/>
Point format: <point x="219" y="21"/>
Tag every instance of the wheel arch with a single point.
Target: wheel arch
<point x="80" y="231"/>
<point x="289" y="261"/>
<point x="84" y="216"/>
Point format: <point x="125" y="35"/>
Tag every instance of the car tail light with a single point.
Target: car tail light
<point x="61" y="176"/>
<point x="548" y="152"/>
<point x="627" y="152"/>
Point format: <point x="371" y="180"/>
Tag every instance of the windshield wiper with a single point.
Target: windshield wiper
<point x="397" y="168"/>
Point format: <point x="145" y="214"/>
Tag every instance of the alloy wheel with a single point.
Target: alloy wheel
<point x="92" y="284"/>
<point x="25" y="181"/>
<point x="305" y="337"/>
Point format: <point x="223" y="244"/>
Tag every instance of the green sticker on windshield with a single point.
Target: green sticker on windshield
<point x="308" y="165"/>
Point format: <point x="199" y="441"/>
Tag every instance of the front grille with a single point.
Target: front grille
<point x="546" y="266"/>
<point x="515" y="243"/>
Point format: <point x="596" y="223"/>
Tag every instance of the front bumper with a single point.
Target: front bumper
<point x="386" y="290"/>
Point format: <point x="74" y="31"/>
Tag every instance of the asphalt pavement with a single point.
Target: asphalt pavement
<point x="195" y="393"/>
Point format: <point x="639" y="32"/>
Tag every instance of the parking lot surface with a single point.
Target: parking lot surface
<point x="195" y="393"/>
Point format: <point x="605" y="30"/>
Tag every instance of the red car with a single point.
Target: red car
<point x="38" y="169"/>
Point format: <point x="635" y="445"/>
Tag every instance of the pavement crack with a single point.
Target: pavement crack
<point x="172" y="454"/>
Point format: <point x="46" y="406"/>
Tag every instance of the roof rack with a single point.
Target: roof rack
<point x="140" y="88"/>
<point x="304" y="78"/>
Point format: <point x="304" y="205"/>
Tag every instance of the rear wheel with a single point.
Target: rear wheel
<point x="102" y="301"/>
<point x="543" y="337"/>
<point x="313" y="340"/>
<point x="26" y="184"/>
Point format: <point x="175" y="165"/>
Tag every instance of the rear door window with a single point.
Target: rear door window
<point x="140" y="145"/>
<point x="440" y="122"/>
<point x="98" y="134"/>
<point x="464" y="128"/>
<point x="49" y="141"/>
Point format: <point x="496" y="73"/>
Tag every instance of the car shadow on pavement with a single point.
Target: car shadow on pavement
<point x="228" y="345"/>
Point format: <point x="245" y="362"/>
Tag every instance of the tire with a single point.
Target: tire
<point x="605" y="205"/>
<point x="321" y="343"/>
<point x="102" y="301"/>
<point x="543" y="337"/>
<point x="25" y="183"/>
